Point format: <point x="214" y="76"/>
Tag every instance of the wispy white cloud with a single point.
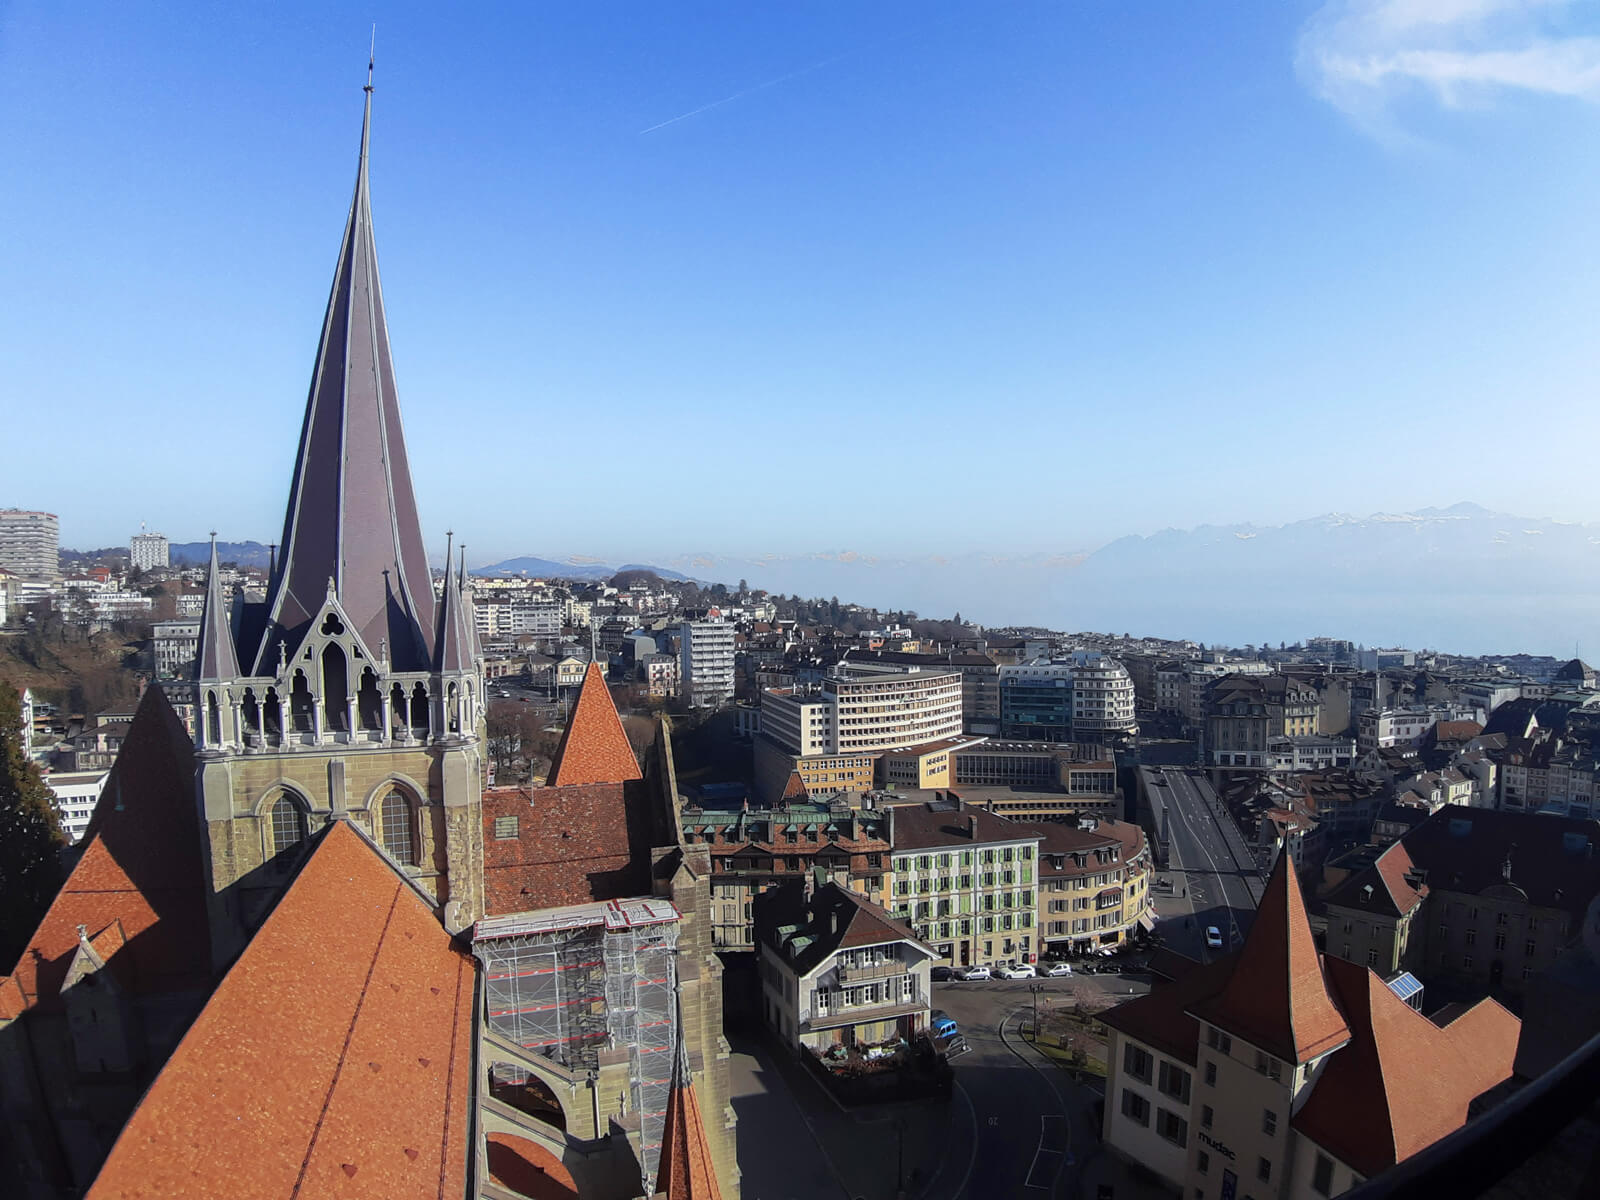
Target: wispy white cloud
<point x="1364" y="55"/>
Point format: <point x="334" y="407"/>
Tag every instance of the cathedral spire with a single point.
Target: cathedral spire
<point x="352" y="515"/>
<point x="217" y="658"/>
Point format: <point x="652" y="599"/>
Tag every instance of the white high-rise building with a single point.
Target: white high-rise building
<point x="30" y="543"/>
<point x="149" y="550"/>
<point x="705" y="662"/>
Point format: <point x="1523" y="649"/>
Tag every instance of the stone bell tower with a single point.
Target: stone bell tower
<point x="353" y="690"/>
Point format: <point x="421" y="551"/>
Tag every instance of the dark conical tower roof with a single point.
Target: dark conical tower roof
<point x="352" y="516"/>
<point x="216" y="659"/>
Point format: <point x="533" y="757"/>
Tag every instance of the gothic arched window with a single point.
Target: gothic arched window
<point x="288" y="823"/>
<point x="395" y="822"/>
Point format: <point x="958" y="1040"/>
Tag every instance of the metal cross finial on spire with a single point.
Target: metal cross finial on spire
<point x="372" y="54"/>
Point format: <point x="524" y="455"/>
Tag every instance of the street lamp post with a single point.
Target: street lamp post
<point x="1036" y="988"/>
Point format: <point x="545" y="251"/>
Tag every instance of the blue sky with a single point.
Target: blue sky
<point x="903" y="277"/>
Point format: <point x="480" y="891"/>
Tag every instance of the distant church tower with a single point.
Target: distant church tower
<point x="352" y="690"/>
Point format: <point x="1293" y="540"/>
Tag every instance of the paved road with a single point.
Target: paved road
<point x="1030" y="1124"/>
<point x="1210" y="867"/>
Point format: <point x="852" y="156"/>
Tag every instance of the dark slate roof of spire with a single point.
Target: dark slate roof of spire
<point x="453" y="640"/>
<point x="352" y="516"/>
<point x="217" y="658"/>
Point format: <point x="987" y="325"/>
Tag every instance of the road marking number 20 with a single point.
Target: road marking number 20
<point x="994" y="1120"/>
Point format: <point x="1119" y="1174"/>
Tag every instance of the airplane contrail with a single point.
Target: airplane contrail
<point x="695" y="112"/>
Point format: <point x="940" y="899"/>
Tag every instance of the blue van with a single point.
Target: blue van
<point x="941" y="1024"/>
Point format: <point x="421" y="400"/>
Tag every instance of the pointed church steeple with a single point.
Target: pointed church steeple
<point x="1277" y="997"/>
<point x="217" y="658"/>
<point x="352" y="515"/>
<point x="686" y="1170"/>
<point x="453" y="639"/>
<point x="594" y="748"/>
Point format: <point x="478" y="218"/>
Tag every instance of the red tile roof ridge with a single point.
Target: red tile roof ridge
<point x="594" y="748"/>
<point x="1276" y="997"/>
<point x="1365" y="1107"/>
<point x="685" y="1170"/>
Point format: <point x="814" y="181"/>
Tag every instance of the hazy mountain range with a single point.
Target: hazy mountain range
<point x="1461" y="578"/>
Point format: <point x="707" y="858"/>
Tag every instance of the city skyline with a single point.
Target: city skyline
<point x="1353" y="236"/>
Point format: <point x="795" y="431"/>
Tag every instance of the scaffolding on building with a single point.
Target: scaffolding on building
<point x="570" y="982"/>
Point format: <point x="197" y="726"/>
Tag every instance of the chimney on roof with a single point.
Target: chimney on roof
<point x="972" y="826"/>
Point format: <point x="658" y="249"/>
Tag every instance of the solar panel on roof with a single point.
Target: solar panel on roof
<point x="1405" y="985"/>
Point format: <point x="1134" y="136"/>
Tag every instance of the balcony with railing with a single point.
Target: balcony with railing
<point x="834" y="1007"/>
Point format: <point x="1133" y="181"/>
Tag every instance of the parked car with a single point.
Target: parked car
<point x="1055" y="970"/>
<point x="941" y="1024"/>
<point x="1022" y="971"/>
<point x="971" y="973"/>
<point x="1213" y="937"/>
<point x="941" y="974"/>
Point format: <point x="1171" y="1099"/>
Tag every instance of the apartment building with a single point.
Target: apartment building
<point x="834" y="732"/>
<point x="76" y="793"/>
<point x="30" y="544"/>
<point x="1094" y="885"/>
<point x="174" y="646"/>
<point x="1278" y="1072"/>
<point x="1086" y="697"/>
<point x="1379" y="729"/>
<point x="755" y="849"/>
<point x="149" y="551"/>
<point x="1247" y="714"/>
<point x="1310" y="752"/>
<point x="705" y="662"/>
<point x="965" y="881"/>
<point x="838" y="971"/>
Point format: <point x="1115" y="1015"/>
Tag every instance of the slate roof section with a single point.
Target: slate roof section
<point x="352" y="514"/>
<point x="217" y="658"/>
<point x="1553" y="861"/>
<point x="335" y="1058"/>
<point x="594" y="748"/>
<point x="686" y="1171"/>
<point x="141" y="869"/>
<point x="935" y="825"/>
<point x="833" y="918"/>
<point x="1403" y="1082"/>
<point x="1276" y="997"/>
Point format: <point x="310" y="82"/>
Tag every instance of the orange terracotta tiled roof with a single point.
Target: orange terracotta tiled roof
<point x="141" y="867"/>
<point x="1390" y="892"/>
<point x="564" y="845"/>
<point x="1276" y="997"/>
<point x="335" y="1058"/>
<point x="1402" y="1083"/>
<point x="686" y="1171"/>
<point x="525" y="1166"/>
<point x="795" y="788"/>
<point x="594" y="749"/>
